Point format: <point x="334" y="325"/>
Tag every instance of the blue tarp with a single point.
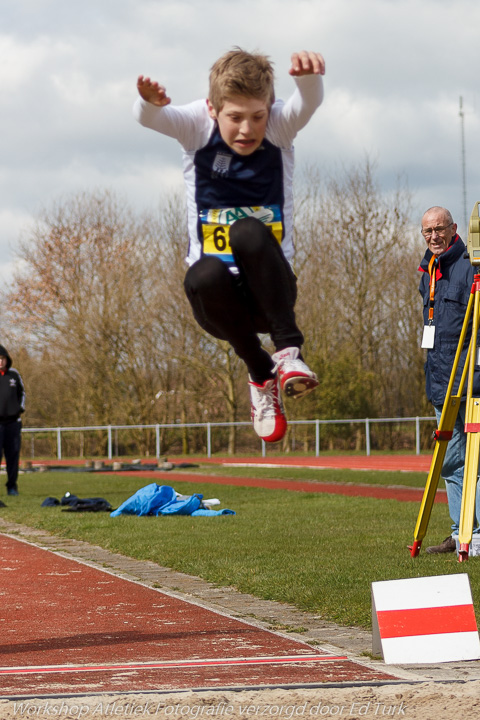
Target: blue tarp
<point x="156" y="499"/>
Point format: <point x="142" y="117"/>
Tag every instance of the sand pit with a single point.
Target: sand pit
<point x="423" y="701"/>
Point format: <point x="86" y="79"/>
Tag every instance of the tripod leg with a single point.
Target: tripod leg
<point x="467" y="512"/>
<point x="472" y="428"/>
<point x="445" y="428"/>
<point x="443" y="434"/>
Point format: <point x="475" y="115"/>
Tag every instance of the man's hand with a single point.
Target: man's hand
<point x="307" y="63"/>
<point x="152" y="92"/>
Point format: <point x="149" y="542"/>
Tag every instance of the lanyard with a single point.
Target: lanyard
<point x="432" y="271"/>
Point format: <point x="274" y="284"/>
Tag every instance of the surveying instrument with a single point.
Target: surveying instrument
<point x="444" y="432"/>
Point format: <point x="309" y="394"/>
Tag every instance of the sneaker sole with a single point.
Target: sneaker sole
<point x="297" y="387"/>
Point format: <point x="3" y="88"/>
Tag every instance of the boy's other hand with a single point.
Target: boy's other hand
<point x="152" y="92"/>
<point x="307" y="63"/>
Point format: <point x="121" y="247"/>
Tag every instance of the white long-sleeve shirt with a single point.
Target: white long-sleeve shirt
<point x="223" y="186"/>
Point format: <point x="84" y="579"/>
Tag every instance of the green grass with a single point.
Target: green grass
<point x="319" y="552"/>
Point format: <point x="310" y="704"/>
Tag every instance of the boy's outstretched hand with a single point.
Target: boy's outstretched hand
<point x="307" y="63"/>
<point x="152" y="92"/>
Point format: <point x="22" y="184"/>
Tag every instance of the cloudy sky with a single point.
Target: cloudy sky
<point x="396" y="70"/>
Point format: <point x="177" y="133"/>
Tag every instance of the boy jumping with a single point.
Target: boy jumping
<point x="238" y="170"/>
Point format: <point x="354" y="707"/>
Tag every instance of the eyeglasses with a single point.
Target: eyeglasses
<point x="427" y="232"/>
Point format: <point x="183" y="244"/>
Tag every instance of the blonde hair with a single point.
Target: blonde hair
<point x="241" y="73"/>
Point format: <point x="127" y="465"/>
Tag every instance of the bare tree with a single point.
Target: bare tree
<point x="79" y="299"/>
<point x="358" y="255"/>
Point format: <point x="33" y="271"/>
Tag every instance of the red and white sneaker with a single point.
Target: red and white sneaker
<point x="268" y="415"/>
<point x="296" y="378"/>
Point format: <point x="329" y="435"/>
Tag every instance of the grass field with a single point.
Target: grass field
<point x="319" y="552"/>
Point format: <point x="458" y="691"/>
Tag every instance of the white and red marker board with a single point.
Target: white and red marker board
<point x="424" y="620"/>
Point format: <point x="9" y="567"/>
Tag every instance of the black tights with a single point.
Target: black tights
<point x="261" y="299"/>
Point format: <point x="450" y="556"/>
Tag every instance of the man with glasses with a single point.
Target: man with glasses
<point x="446" y="286"/>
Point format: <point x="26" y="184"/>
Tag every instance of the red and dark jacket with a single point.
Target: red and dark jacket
<point x="454" y="280"/>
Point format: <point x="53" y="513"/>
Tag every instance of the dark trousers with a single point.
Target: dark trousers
<point x="261" y="299"/>
<point x="10" y="442"/>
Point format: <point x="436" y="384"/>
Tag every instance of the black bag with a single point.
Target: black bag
<point x="88" y="505"/>
<point x="76" y="504"/>
<point x="50" y="502"/>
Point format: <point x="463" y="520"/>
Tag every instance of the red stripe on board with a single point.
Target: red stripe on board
<point x="169" y="664"/>
<point x="426" y="621"/>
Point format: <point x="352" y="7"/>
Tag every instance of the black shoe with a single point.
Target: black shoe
<point x="447" y="546"/>
<point x="12" y="491"/>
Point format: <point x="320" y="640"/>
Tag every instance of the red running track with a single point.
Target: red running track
<point x="69" y="628"/>
<point x="407" y="463"/>
<point x="397" y="463"/>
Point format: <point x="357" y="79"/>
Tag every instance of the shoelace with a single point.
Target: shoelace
<point x="265" y="398"/>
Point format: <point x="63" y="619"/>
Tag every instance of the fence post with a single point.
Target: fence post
<point x="417" y="434"/>
<point x="209" y="440"/>
<point x="367" y="435"/>
<point x="264" y="445"/>
<point x="109" y="433"/>
<point x="157" y="441"/>
<point x="59" y="444"/>
<point x="317" y="438"/>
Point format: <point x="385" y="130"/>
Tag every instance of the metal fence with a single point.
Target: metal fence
<point x="58" y="434"/>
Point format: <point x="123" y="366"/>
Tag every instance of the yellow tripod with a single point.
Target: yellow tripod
<point x="449" y="415"/>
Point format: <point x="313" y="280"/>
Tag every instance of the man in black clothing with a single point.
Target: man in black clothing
<point x="12" y="404"/>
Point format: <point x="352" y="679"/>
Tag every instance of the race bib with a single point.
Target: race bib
<point x="216" y="224"/>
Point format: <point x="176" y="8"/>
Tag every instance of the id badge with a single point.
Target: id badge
<point x="428" y="339"/>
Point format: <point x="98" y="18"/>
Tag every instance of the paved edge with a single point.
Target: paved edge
<point x="278" y="617"/>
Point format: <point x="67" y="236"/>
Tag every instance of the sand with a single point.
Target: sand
<point x="418" y="701"/>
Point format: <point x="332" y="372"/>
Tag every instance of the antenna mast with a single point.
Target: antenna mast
<point x="464" y="177"/>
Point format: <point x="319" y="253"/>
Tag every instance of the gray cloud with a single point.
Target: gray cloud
<point x="395" y="72"/>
